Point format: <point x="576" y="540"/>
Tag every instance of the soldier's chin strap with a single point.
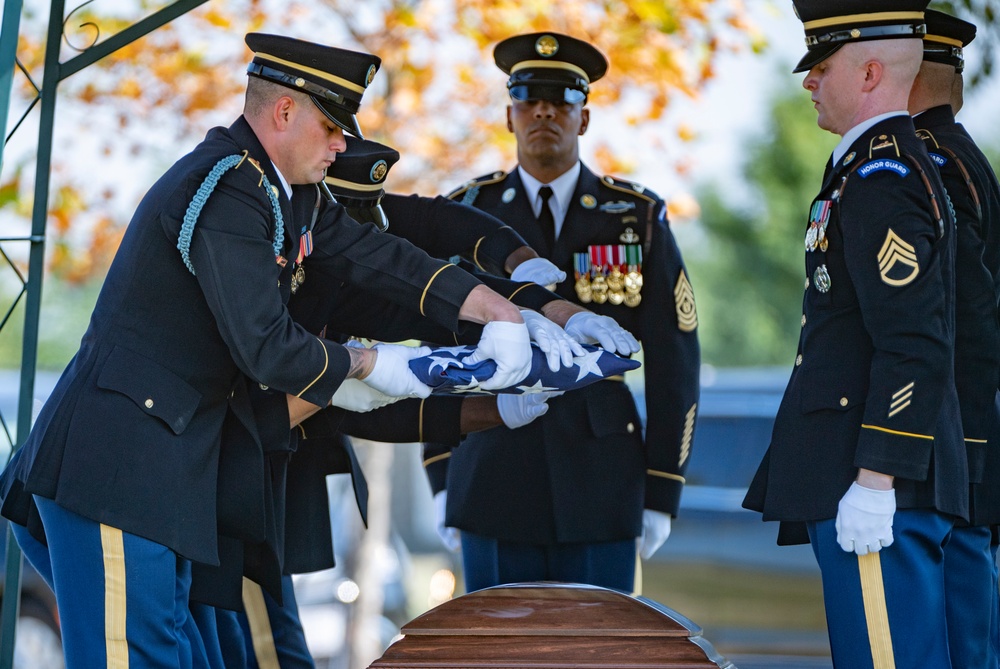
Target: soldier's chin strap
<point x="205" y="190"/>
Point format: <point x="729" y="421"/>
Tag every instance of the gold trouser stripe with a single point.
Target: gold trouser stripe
<point x="260" y="626"/>
<point x="637" y="583"/>
<point x="326" y="76"/>
<point x="437" y="458"/>
<point x="115" y="642"/>
<point x="866" y="17"/>
<point x="665" y="475"/>
<point x="876" y="615"/>
<point x="428" y="286"/>
<point x="326" y="365"/>
<point x="902" y="434"/>
<point x="943" y="40"/>
<point x="551" y="65"/>
<point x="420" y="421"/>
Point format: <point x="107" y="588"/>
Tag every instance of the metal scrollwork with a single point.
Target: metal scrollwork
<point x="93" y="27"/>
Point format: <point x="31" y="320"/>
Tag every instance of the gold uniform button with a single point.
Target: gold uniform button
<point x="149" y="403"/>
<point x="630" y="428"/>
<point x="803" y="320"/>
<point x="798" y="360"/>
<point x="843" y="401"/>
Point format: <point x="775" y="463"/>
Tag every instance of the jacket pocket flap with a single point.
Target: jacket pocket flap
<point x="154" y="388"/>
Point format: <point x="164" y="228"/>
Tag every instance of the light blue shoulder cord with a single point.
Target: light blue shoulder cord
<point x="201" y="197"/>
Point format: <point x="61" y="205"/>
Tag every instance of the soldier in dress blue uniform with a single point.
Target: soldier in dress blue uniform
<point x="970" y="559"/>
<point x="443" y="228"/>
<point x="565" y="497"/>
<point x="120" y="473"/>
<point x="867" y="460"/>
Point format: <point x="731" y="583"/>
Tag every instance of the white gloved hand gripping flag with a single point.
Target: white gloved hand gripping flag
<point x="446" y="373"/>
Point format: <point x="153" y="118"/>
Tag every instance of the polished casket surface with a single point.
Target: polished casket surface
<point x="550" y="625"/>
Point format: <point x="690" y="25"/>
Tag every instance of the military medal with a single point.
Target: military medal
<point x="821" y="279"/>
<point x="633" y="275"/>
<point x="819" y="218"/>
<point x="582" y="264"/>
<point x="298" y="278"/>
<point x="598" y="282"/>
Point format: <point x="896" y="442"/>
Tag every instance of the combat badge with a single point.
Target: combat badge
<point x="897" y="261"/>
<point x="821" y="279"/>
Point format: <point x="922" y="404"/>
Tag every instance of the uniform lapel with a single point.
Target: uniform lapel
<point x="519" y="214"/>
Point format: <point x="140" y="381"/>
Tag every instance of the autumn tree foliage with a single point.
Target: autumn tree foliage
<point x="438" y="97"/>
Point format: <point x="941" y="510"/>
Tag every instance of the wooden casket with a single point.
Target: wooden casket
<point x="541" y="625"/>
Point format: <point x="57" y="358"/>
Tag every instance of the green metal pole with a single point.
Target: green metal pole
<point x="29" y="350"/>
<point x="8" y="52"/>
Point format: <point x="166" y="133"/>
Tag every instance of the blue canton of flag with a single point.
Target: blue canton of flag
<point x="446" y="373"/>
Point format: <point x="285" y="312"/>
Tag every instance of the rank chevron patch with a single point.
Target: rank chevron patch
<point x="687" y="315"/>
<point x="893" y="259"/>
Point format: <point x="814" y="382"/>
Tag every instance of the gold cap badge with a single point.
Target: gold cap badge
<point x="546" y="46"/>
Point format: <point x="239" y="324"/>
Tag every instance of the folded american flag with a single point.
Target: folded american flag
<point x="446" y="374"/>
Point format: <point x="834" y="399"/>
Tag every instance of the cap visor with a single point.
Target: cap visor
<point x="816" y="56"/>
<point x="344" y="119"/>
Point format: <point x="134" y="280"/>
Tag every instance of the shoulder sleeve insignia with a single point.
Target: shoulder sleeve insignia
<point x="897" y="261"/>
<point x="687" y="315"/>
<point x="938" y="159"/>
<point x="880" y="164"/>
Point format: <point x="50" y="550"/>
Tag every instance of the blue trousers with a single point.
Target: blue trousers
<point x="123" y="600"/>
<point x="488" y="562"/>
<point x="887" y="609"/>
<point x="970" y="580"/>
<point x="273" y="633"/>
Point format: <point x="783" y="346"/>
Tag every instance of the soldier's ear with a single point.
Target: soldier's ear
<point x="510" y="126"/>
<point x="584" y="119"/>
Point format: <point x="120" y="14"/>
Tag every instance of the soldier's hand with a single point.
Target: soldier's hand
<point x="538" y="270"/>
<point x="655" y="530"/>
<point x="864" y="519"/>
<point x="509" y="345"/>
<point x="553" y="341"/>
<point x="588" y="328"/>
<point x="519" y="410"/>
<point x="358" y="396"/>
<point x="391" y="373"/>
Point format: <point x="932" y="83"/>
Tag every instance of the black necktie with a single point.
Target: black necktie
<point x="545" y="219"/>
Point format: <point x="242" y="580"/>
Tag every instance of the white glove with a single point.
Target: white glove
<point x="519" y="410"/>
<point x="538" y="270"/>
<point x="450" y="536"/>
<point x="509" y="345"/>
<point x="864" y="519"/>
<point x="588" y="328"/>
<point x="655" y="530"/>
<point x="358" y="396"/>
<point x="551" y="339"/>
<point x="391" y="374"/>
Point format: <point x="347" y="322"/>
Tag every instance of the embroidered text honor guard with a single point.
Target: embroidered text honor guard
<point x="894" y="258"/>
<point x="687" y="315"/>
<point x="881" y="164"/>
